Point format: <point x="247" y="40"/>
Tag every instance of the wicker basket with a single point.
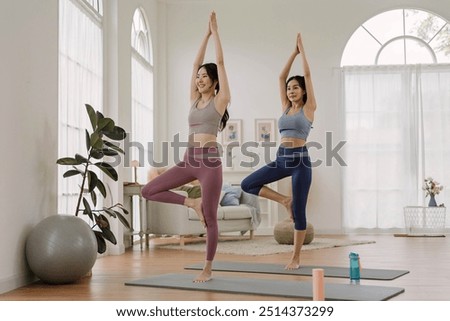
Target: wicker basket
<point x="421" y="220"/>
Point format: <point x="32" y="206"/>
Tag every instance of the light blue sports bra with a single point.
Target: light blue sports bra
<point x="296" y="125"/>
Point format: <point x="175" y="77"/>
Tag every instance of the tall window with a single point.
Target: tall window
<point x="397" y="107"/>
<point x="80" y="82"/>
<point x="142" y="90"/>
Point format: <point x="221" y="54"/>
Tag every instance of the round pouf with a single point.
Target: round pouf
<point x="61" y="249"/>
<point x="284" y="232"/>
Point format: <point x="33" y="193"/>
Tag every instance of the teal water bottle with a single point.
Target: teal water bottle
<point x="354" y="268"/>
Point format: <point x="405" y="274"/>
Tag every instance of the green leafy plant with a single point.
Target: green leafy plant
<point x="99" y="143"/>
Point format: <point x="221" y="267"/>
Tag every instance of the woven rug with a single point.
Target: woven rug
<point x="265" y="246"/>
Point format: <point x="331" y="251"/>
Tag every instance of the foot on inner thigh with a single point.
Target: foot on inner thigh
<point x="197" y="207"/>
<point x="287" y="203"/>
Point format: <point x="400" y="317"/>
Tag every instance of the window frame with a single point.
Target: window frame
<point x="405" y="36"/>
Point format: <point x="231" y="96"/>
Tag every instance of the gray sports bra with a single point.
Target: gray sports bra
<point x="296" y="125"/>
<point x="205" y="120"/>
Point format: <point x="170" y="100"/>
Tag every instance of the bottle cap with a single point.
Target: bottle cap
<point x="353" y="255"/>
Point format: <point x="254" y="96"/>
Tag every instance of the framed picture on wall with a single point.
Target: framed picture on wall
<point x="232" y="132"/>
<point x="264" y="130"/>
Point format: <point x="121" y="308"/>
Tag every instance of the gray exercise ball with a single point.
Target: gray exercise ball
<point x="61" y="249"/>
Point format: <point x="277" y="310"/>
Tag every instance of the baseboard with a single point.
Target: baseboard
<point x="115" y="249"/>
<point x="264" y="231"/>
<point x="16" y="281"/>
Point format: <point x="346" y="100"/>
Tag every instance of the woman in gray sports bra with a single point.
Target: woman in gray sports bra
<point x="292" y="156"/>
<point x="208" y="115"/>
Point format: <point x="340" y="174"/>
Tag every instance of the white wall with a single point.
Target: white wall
<point x="257" y="37"/>
<point x="118" y="19"/>
<point x="29" y="112"/>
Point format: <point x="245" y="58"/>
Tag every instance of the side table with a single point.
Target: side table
<point x="424" y="221"/>
<point x="139" y="225"/>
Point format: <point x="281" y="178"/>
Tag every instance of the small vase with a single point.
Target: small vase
<point x="432" y="202"/>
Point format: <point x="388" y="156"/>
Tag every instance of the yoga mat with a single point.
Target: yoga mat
<point x="330" y="271"/>
<point x="291" y="289"/>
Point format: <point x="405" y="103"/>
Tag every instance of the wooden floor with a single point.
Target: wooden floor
<point x="427" y="259"/>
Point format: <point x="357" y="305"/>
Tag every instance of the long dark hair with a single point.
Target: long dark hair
<point x="301" y="82"/>
<point x="211" y="70"/>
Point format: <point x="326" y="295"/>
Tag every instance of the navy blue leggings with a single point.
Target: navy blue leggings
<point x="293" y="162"/>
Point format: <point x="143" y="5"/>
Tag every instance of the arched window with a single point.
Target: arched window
<point x="96" y="6"/>
<point x="142" y="90"/>
<point x="80" y="82"/>
<point x="396" y="109"/>
<point x="402" y="36"/>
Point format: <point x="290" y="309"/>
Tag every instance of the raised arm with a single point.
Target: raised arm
<point x="284" y="76"/>
<point x="310" y="105"/>
<point x="223" y="97"/>
<point x="197" y="63"/>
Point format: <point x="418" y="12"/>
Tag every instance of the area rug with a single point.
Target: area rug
<point x="265" y="246"/>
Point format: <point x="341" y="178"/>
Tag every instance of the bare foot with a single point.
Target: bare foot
<point x="196" y="205"/>
<point x="287" y="202"/>
<point x="205" y="276"/>
<point x="293" y="265"/>
<point x="206" y="273"/>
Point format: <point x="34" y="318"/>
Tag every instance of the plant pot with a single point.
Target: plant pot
<point x="61" y="249"/>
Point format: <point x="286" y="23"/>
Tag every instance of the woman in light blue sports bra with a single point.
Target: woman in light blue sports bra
<point x="298" y="107"/>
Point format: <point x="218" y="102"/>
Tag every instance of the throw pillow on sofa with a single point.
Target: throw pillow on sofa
<point x="192" y="191"/>
<point x="232" y="195"/>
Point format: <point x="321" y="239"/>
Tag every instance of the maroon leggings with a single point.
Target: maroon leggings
<point x="205" y="165"/>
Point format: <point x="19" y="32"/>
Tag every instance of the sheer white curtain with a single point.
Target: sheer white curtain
<point x="141" y="92"/>
<point x="80" y="82"/>
<point x="396" y="132"/>
<point x="435" y="84"/>
<point x="141" y="100"/>
<point x="142" y="113"/>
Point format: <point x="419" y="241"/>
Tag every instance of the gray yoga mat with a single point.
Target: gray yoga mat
<point x="329" y="271"/>
<point x="290" y="289"/>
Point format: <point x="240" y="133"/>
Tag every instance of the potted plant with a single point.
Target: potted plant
<point x="63" y="248"/>
<point x="99" y="143"/>
<point x="432" y="188"/>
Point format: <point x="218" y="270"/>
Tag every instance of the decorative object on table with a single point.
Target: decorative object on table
<point x="432" y="188"/>
<point x="283" y="232"/>
<point x="63" y="237"/>
<point x="135" y="165"/>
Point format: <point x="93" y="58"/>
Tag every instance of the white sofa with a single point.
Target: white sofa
<point x="179" y="220"/>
